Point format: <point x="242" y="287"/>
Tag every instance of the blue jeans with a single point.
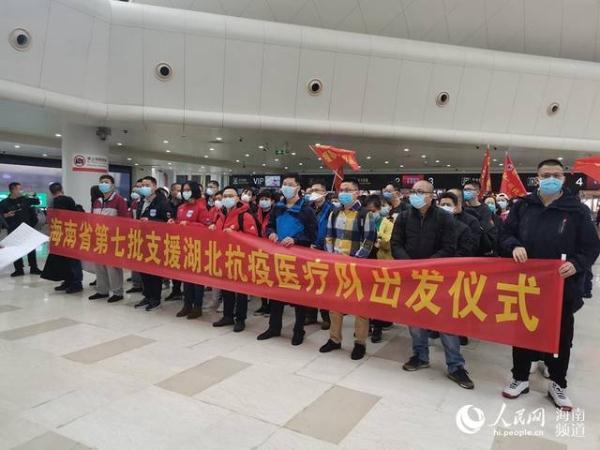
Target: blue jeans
<point x="451" y="343"/>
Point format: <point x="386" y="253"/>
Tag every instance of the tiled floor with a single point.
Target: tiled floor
<point x="76" y="374"/>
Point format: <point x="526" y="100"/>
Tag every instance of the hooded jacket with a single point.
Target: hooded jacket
<point x="547" y="232"/>
<point x="229" y="219"/>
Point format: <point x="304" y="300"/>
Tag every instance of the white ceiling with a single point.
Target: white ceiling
<point x="558" y="28"/>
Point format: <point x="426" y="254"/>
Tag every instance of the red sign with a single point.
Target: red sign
<point x="90" y="163"/>
<point x="487" y="298"/>
<point x="409" y="180"/>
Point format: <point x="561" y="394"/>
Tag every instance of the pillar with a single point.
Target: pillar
<point x="84" y="159"/>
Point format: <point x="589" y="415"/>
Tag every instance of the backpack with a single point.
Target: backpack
<point x="240" y="219"/>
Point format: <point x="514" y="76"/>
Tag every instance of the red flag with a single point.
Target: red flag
<point x="590" y="166"/>
<point x="335" y="159"/>
<point x="485" y="180"/>
<point x="511" y="185"/>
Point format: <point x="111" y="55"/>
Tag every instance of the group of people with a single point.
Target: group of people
<point x="456" y="223"/>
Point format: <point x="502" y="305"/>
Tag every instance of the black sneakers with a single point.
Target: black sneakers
<point x="152" y="306"/>
<point x="460" y="377"/>
<point x="174" y="295"/>
<point x="414" y="363"/>
<point x="359" y="351"/>
<point x="18" y="273"/>
<point x="330" y="346"/>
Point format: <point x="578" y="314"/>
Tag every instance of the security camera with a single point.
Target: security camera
<point x="103" y="133"/>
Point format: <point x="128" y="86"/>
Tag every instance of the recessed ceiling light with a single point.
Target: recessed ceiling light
<point x="165" y="142"/>
<point x="494" y="160"/>
<point x="212" y="149"/>
<point x="437" y="160"/>
<point x="119" y="144"/>
<point x="247" y="155"/>
<point x="264" y="165"/>
<point x="407" y="149"/>
<point x="448" y="165"/>
<point x="276" y="160"/>
<point x="423" y="156"/>
<point x="237" y="160"/>
<point x="169" y="164"/>
<point x="320" y="167"/>
<point x="168" y="151"/>
<point x="401" y="165"/>
<point x="500" y="164"/>
<point x="57" y="134"/>
<point x="300" y="164"/>
<point x="45" y="155"/>
<point x="128" y="159"/>
<point x="17" y="146"/>
<point x="386" y="162"/>
<point x="261" y="147"/>
<point x="560" y="158"/>
<point x="285" y="168"/>
<point x="205" y="156"/>
<point x="293" y="153"/>
<point x="369" y="157"/>
<point x="202" y="167"/>
<point x="136" y="164"/>
<point x="219" y="139"/>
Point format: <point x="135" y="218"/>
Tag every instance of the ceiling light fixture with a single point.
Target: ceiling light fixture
<point x="136" y="164"/>
<point x="264" y="165"/>
<point x="407" y="149"/>
<point x="300" y="164"/>
<point x="128" y="159"/>
<point x="237" y="160"/>
<point x="165" y="142"/>
<point x="219" y="139"/>
<point x="285" y="168"/>
<point x="293" y="153"/>
<point x="423" y="156"/>
<point x="168" y="151"/>
<point x="448" y="165"/>
<point x="276" y="160"/>
<point x="402" y="166"/>
<point x="119" y="144"/>
<point x="386" y="162"/>
<point x="369" y="157"/>
<point x="560" y="158"/>
<point x="169" y="164"/>
<point x="205" y="156"/>
<point x="57" y="134"/>
<point x="45" y="155"/>
<point x="261" y="147"/>
<point x="247" y="155"/>
<point x="212" y="149"/>
<point x="17" y="146"/>
<point x="437" y="160"/>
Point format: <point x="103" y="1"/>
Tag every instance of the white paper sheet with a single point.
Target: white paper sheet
<point x="18" y="243"/>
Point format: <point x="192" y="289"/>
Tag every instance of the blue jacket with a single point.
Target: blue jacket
<point x="298" y="222"/>
<point x="322" y="218"/>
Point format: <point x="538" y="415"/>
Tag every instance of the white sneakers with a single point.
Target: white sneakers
<point x="541" y="367"/>
<point x="516" y="388"/>
<point x="559" y="396"/>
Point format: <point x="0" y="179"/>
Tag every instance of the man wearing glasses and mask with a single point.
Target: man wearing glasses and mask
<point x="426" y="231"/>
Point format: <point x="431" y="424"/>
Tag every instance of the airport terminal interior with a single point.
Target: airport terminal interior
<point x="299" y="224"/>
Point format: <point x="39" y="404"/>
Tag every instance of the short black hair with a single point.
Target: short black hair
<point x="194" y="188"/>
<point x="320" y="181"/>
<point x="397" y="186"/>
<point x="174" y="184"/>
<point x="477" y="184"/>
<point x="373" y="199"/>
<point x="295" y="176"/>
<point x="230" y="187"/>
<point x="252" y="189"/>
<point x="151" y="180"/>
<point x="139" y="180"/>
<point x="107" y="177"/>
<point x="13" y="185"/>
<point x="55" y="188"/>
<point x="265" y="193"/>
<point x="550" y="162"/>
<point x="451" y="196"/>
<point x="215" y="182"/>
<point x="354" y="181"/>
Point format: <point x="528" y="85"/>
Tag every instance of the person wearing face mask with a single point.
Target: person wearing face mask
<point x="234" y="217"/>
<point x="212" y="187"/>
<point x="392" y="195"/>
<point x="503" y="206"/>
<point x="292" y="222"/>
<point x="468" y="219"/>
<point x="135" y="198"/>
<point x="175" y="200"/>
<point x="155" y="208"/>
<point x="109" y="279"/>
<point x="249" y="198"/>
<point x="490" y="202"/>
<point x="17" y="209"/>
<point x="192" y="212"/>
<point x="546" y="225"/>
<point x="351" y="232"/>
<point x="466" y="244"/>
<point x="322" y="207"/>
<point x="265" y="207"/>
<point x="489" y="233"/>
<point x="426" y="231"/>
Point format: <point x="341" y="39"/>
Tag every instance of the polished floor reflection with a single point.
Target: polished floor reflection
<point x="76" y="374"/>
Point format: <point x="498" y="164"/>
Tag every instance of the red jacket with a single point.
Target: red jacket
<point x="230" y="220"/>
<point x="263" y="218"/>
<point x="114" y="206"/>
<point x="133" y="208"/>
<point x="194" y="213"/>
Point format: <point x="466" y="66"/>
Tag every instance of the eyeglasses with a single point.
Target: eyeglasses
<point x="420" y="192"/>
<point x="349" y="190"/>
<point x="551" y="175"/>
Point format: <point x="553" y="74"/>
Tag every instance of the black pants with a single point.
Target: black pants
<point x="31" y="260"/>
<point x="152" y="287"/>
<point x="193" y="294"/>
<point x="376" y="323"/>
<point x="557" y="367"/>
<point x="177" y="286"/>
<point x="312" y="313"/>
<point x="235" y="305"/>
<point x="588" y="282"/>
<point x="276" y="317"/>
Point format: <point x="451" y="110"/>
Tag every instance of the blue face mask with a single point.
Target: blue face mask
<point x="385" y="211"/>
<point x="417" y="200"/>
<point x="469" y="195"/>
<point x="288" y="191"/>
<point x="265" y="204"/>
<point x="388" y="195"/>
<point x="229" y="202"/>
<point x="550" y="186"/>
<point x="145" y="191"/>
<point x="105" y="187"/>
<point x="492" y="207"/>
<point x="346" y="198"/>
<point x="186" y="195"/>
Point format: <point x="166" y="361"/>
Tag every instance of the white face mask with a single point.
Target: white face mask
<point x="448" y="208"/>
<point x="336" y="203"/>
<point x="314" y="196"/>
<point x="218" y="204"/>
<point x="210" y="192"/>
<point x="246" y="198"/>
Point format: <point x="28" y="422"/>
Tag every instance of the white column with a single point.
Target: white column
<point x="80" y="142"/>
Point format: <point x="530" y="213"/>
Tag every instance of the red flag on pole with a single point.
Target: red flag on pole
<point x="335" y="159"/>
<point x="590" y="166"/>
<point x="511" y="185"/>
<point x="485" y="179"/>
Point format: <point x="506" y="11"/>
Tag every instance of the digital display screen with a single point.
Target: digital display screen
<point x="272" y="181"/>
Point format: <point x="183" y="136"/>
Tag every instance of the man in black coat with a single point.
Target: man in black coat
<point x="17" y="209"/>
<point x="426" y="231"/>
<point x="466" y="245"/>
<point x="489" y="232"/>
<point x="73" y="276"/>
<point x="154" y="207"/>
<point x="548" y="224"/>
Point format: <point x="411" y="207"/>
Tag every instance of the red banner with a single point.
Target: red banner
<point x="335" y="159"/>
<point x="511" y="183"/>
<point x="487" y="298"/>
<point x="590" y="166"/>
<point x="485" y="178"/>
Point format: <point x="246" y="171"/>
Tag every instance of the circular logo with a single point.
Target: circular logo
<point x="465" y="423"/>
<point x="79" y="160"/>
